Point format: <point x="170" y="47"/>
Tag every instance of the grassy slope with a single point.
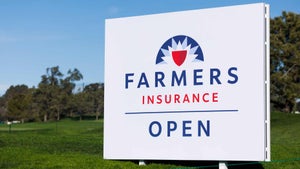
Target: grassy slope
<point x="73" y="144"/>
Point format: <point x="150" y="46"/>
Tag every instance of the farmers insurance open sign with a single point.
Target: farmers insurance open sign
<point x="190" y="85"/>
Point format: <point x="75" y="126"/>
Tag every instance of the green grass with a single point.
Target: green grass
<point x="66" y="144"/>
<point x="74" y="144"/>
<point x="285" y="141"/>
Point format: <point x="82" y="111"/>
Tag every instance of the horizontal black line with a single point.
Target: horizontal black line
<point x="187" y="111"/>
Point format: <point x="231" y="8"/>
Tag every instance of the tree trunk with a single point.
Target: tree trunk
<point x="288" y="108"/>
<point x="97" y="115"/>
<point x="45" y="117"/>
<point x="71" y="113"/>
<point x="58" y="116"/>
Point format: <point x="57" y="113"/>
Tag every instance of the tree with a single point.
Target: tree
<point x="18" y="107"/>
<point x="95" y="92"/>
<point x="41" y="100"/>
<point x="285" y="61"/>
<point x="67" y="89"/>
<point x="18" y="102"/>
<point x="2" y="109"/>
<point x="82" y="104"/>
<point x="54" y="92"/>
<point x="47" y="95"/>
<point x="15" y="90"/>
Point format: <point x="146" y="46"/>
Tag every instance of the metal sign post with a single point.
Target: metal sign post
<point x="223" y="165"/>
<point x="142" y="162"/>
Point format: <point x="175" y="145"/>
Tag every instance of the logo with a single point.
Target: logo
<point x="179" y="50"/>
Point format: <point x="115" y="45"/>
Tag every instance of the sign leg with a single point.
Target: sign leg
<point x="222" y="165"/>
<point x="142" y="162"/>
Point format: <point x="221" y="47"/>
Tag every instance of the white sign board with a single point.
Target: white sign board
<point x="191" y="85"/>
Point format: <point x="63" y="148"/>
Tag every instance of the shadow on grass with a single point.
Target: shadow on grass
<point x="244" y="165"/>
<point x="207" y="164"/>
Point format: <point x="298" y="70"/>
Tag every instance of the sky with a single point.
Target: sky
<point x="39" y="34"/>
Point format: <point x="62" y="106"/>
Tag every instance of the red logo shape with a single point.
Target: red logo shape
<point x="179" y="56"/>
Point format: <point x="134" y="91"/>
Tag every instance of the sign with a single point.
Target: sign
<point x="191" y="85"/>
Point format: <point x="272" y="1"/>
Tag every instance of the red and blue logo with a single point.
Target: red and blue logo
<point x="178" y="50"/>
